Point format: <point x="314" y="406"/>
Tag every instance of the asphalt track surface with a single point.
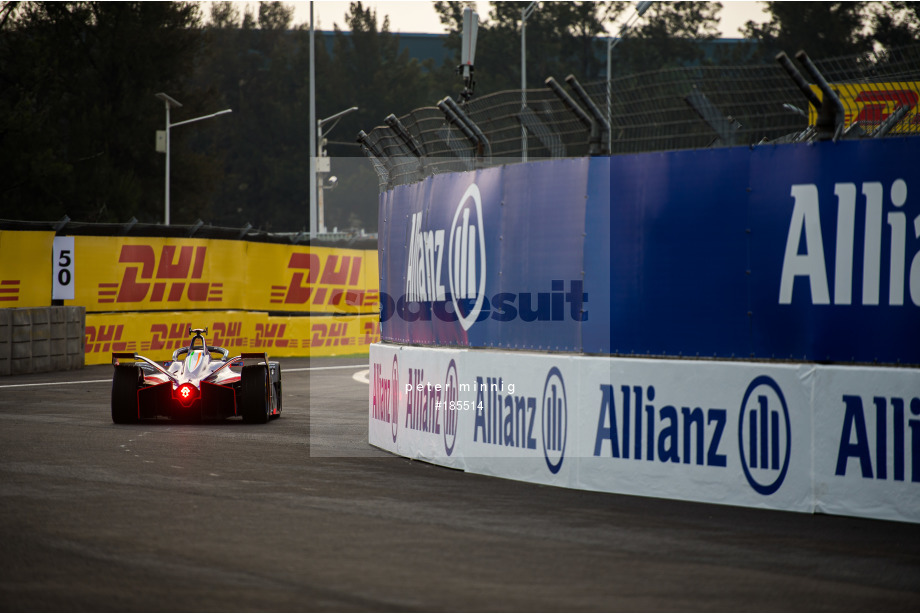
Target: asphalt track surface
<point x="302" y="514"/>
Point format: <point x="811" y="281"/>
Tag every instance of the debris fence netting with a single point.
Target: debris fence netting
<point x="872" y="96"/>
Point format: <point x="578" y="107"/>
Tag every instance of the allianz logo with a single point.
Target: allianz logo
<point x="460" y="255"/>
<point x="385" y="395"/>
<point x="504" y="418"/>
<point x="635" y="423"/>
<point x="465" y="260"/>
<point x="862" y="245"/>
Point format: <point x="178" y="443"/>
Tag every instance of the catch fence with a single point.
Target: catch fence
<point x="792" y="100"/>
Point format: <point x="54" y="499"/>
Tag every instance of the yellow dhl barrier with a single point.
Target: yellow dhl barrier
<point x="25" y="268"/>
<point x="145" y="274"/>
<point x="157" y="335"/>
<point x="871" y="103"/>
<point x="143" y="294"/>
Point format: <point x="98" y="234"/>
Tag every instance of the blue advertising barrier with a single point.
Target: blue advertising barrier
<point x="802" y="252"/>
<point x="487" y="258"/>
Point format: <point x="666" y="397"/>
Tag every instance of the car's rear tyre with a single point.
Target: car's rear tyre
<point x="124" y="394"/>
<point x="255" y="394"/>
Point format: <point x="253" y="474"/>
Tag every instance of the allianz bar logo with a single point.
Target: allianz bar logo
<point x="863" y="243"/>
<point x="385" y="395"/>
<point x="465" y="258"/>
<point x="639" y="423"/>
<point x="448" y="267"/>
<point x="877" y="437"/>
<point x="894" y="452"/>
<point x="523" y="421"/>
<point x="526" y="421"/>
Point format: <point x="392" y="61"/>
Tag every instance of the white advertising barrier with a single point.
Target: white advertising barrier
<point x="798" y="437"/>
<point x="867" y="442"/>
<point x="731" y="433"/>
<point x="420" y="424"/>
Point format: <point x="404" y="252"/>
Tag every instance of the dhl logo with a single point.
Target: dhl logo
<point x="107" y="339"/>
<point x="371" y="333"/>
<point x="321" y="280"/>
<point x="166" y="278"/>
<point x="167" y="337"/>
<point x="163" y="336"/>
<point x="869" y="104"/>
<point x="9" y="289"/>
<point x="272" y="335"/>
<point x="329" y="335"/>
<point x="229" y="334"/>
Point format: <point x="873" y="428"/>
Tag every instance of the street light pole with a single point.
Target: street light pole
<point x="170" y="102"/>
<point x="322" y="168"/>
<point x="313" y="216"/>
<point x="525" y="13"/>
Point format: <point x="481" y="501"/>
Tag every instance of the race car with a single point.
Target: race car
<point x="195" y="385"/>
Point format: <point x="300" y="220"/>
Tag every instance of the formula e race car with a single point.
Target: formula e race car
<point x="195" y="385"/>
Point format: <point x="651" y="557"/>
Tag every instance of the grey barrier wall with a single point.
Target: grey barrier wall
<point x="41" y="339"/>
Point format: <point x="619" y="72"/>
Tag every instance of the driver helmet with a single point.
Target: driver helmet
<point x="194" y="361"/>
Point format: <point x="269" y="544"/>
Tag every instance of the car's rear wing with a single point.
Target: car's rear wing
<point x="119" y="358"/>
<point x="260" y="357"/>
<point x="254" y="355"/>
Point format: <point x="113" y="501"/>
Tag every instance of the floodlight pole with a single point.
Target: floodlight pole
<point x="170" y="103"/>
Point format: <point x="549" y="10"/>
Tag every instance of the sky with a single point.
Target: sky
<point x="420" y="16"/>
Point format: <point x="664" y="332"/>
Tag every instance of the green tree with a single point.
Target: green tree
<point x="561" y="39"/>
<point x="261" y="68"/>
<point x="822" y="29"/>
<point x="258" y="66"/>
<point x="895" y="24"/>
<point x="569" y="37"/>
<point x="78" y="113"/>
<point x="669" y="35"/>
<point x="367" y="68"/>
<point x="275" y="16"/>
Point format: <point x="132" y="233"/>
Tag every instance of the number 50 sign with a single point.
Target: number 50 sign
<point x="62" y="285"/>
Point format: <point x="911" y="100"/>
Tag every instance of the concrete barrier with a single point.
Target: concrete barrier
<point x="41" y="339"/>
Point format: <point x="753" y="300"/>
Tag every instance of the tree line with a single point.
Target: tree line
<point x="78" y="111"/>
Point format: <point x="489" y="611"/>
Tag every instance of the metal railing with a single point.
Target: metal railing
<point x="864" y="96"/>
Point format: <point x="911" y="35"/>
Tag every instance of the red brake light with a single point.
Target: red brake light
<point x="186" y="394"/>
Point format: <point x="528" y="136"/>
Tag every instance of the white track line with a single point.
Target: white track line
<point x="283" y="370"/>
<point x="90" y="381"/>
